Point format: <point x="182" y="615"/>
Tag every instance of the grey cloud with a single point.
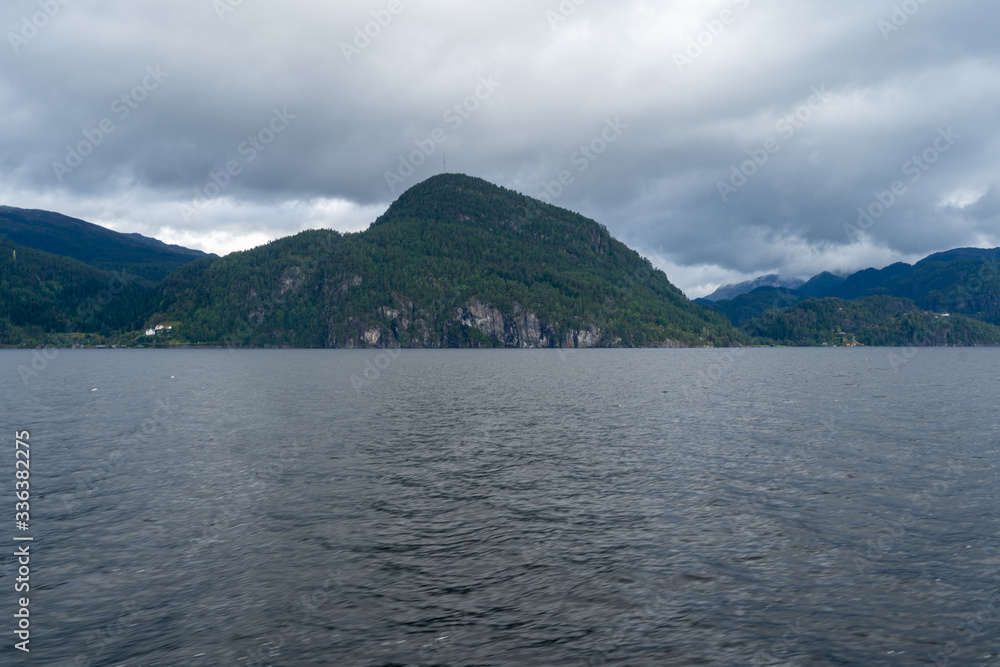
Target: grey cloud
<point x="655" y="186"/>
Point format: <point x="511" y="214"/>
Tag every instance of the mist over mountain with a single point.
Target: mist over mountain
<point x="735" y="289"/>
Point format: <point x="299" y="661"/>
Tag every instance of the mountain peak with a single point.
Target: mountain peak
<point x="771" y="280"/>
<point x="452" y="197"/>
<point x="454" y="182"/>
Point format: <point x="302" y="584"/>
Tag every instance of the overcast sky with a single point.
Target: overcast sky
<point x="722" y="140"/>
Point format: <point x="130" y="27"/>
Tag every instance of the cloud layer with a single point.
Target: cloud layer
<point x="721" y="139"/>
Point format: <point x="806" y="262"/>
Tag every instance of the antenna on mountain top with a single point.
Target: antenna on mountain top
<point x="444" y="162"/>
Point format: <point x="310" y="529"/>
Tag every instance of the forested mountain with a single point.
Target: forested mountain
<point x="821" y="285"/>
<point x="965" y="281"/>
<point x="748" y="306"/>
<point x="876" y="320"/>
<point x="92" y="244"/>
<point x="42" y="293"/>
<point x="454" y="262"/>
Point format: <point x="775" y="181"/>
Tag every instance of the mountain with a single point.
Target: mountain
<point x="42" y="294"/>
<point x="756" y="303"/>
<point x="91" y="244"/>
<point x="734" y="290"/>
<point x="964" y="281"/>
<point x="876" y="320"/>
<point x="821" y="285"/>
<point x="454" y="262"/>
<point x="963" y="253"/>
<point x="871" y="282"/>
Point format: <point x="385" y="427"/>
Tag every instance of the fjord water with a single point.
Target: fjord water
<point x="593" y="507"/>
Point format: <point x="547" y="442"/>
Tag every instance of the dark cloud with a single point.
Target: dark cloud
<point x="822" y="106"/>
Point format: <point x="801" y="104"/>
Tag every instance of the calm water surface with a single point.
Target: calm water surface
<point x="585" y="508"/>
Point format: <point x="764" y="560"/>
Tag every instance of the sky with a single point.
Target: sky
<point x="720" y="139"/>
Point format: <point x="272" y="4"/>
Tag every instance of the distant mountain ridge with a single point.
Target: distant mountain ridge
<point x="963" y="280"/>
<point x="735" y="289"/>
<point x="883" y="321"/>
<point x="92" y="244"/>
<point x="962" y="284"/>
